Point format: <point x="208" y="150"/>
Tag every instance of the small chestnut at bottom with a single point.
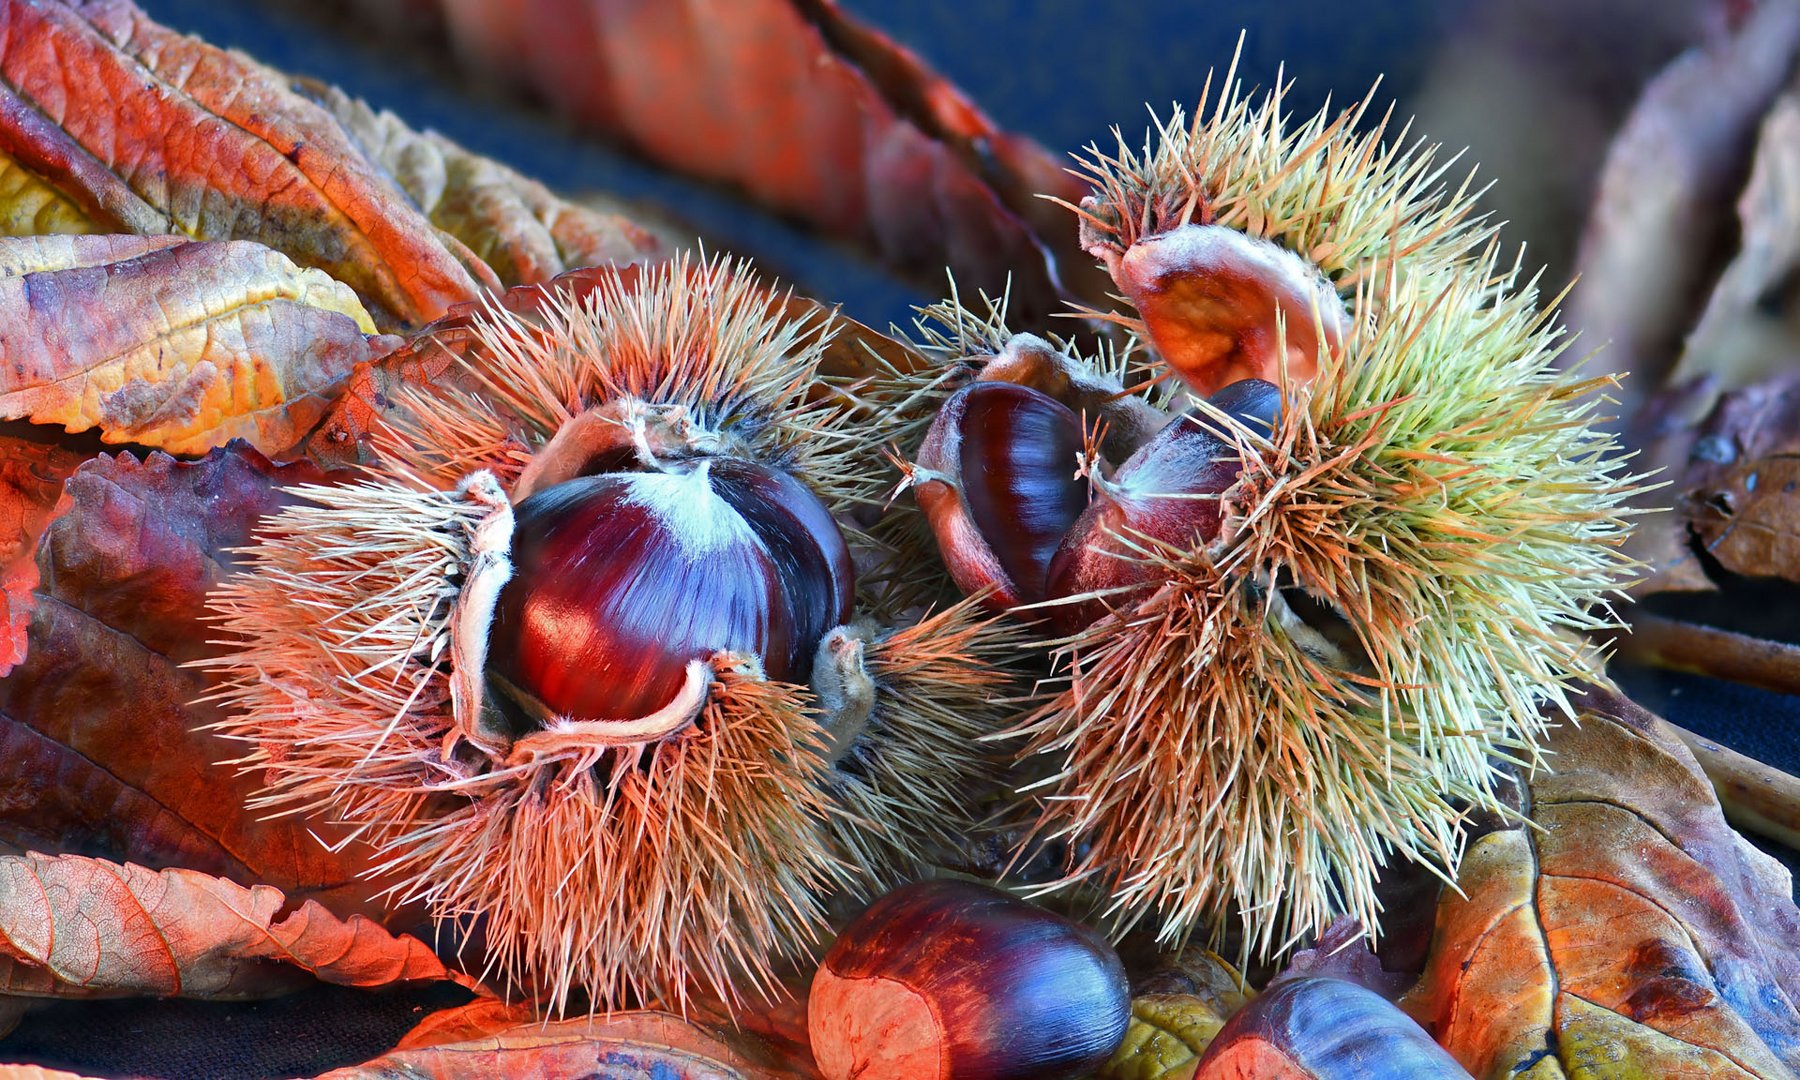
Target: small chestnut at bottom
<point x="951" y="980"/>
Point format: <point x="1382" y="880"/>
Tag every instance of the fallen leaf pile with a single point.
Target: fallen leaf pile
<point x="214" y="277"/>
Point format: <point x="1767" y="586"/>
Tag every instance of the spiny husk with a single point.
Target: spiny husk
<point x="1443" y="487"/>
<point x="703" y="334"/>
<point x="961" y="339"/>
<point x="624" y="874"/>
<point x="1353" y="204"/>
<point x="634" y="876"/>
<point x="911" y="785"/>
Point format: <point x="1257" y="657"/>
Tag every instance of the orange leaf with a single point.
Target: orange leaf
<point x="1629" y="926"/>
<point x="172" y="344"/>
<point x="76" y="926"/>
<point x="625" y="1046"/>
<point x="152" y="132"/>
<point x="809" y="113"/>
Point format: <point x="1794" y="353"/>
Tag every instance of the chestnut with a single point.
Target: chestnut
<point x="621" y="581"/>
<point x="1318" y="1027"/>
<point x="997" y="479"/>
<point x="1167" y="494"/>
<point x="953" y="980"/>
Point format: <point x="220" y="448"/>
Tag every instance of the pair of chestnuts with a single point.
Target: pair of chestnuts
<point x="1018" y="508"/>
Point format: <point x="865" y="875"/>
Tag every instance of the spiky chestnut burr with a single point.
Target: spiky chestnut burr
<point x="583" y="657"/>
<point x="1324" y="659"/>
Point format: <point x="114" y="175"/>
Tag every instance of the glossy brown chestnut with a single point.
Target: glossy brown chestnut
<point x="620" y="580"/>
<point x="951" y="980"/>
<point x="998" y="484"/>
<point x="1165" y="494"/>
<point x="1321" y="1028"/>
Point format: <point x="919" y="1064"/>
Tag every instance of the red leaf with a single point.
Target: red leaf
<point x="31" y="482"/>
<point x="625" y="1046"/>
<point x="809" y="113"/>
<point x="100" y="716"/>
<point x="150" y="131"/>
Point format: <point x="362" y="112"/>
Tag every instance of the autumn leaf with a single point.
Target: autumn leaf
<point x="196" y="141"/>
<point x="810" y="114"/>
<point x="1627" y="925"/>
<point x="514" y="224"/>
<point x="1166" y="1036"/>
<point x="110" y="123"/>
<point x="31" y="483"/>
<point x="625" y="1046"/>
<point x="102" y="716"/>
<point x="179" y="345"/>
<point x="1649" y="252"/>
<point x="74" y="926"/>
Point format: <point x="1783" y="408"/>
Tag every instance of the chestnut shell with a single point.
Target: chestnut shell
<point x="1010" y="453"/>
<point x="1163" y="493"/>
<point x="620" y="580"/>
<point x="1009" y="990"/>
<point x="1324" y="1028"/>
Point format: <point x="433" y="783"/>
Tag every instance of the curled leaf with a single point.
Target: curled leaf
<point x="179" y="345"/>
<point x="1629" y="925"/>
<point x="84" y="927"/>
<point x="1651" y="245"/>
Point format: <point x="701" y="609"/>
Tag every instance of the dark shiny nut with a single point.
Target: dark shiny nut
<point x="1165" y="496"/>
<point x="1321" y="1028"/>
<point x="998" y="484"/>
<point x="621" y="580"/>
<point x="950" y="980"/>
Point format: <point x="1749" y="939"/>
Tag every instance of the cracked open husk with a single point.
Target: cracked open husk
<point x="610" y="860"/>
<point x="1390" y="605"/>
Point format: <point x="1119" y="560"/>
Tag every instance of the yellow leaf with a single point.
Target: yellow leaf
<point x="178" y="345"/>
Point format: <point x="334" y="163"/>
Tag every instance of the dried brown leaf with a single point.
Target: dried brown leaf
<point x="1630" y="926"/>
<point x="172" y="344"/>
<point x="99" y="724"/>
<point x="625" y="1046"/>
<point x="1653" y="239"/>
<point x="73" y="926"/>
<point x="1734" y="483"/>
<point x="1750" y="328"/>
